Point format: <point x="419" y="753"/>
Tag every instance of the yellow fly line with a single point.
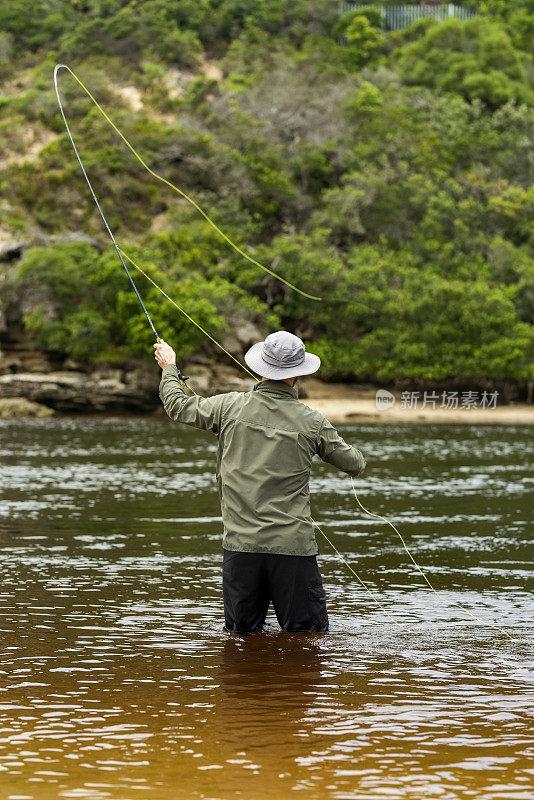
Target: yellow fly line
<point x="369" y="592"/>
<point x="414" y="562"/>
<point x="122" y="254"/>
<point x="186" y="196"/>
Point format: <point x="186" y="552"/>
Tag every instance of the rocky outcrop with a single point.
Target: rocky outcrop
<point x="15" y="407"/>
<point x="243" y="334"/>
<point x="103" y="390"/>
<point x="13" y="250"/>
<point x="110" y="389"/>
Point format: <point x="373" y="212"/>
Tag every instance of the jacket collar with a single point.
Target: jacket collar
<point x="276" y="387"/>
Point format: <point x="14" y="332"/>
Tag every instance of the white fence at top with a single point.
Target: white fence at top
<point x="396" y="17"/>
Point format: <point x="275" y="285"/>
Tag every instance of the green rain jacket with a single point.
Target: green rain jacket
<point x="267" y="440"/>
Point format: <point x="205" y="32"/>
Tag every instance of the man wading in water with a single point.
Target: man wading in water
<point x="267" y="440"/>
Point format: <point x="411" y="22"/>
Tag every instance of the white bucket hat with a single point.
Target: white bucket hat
<point x="281" y="355"/>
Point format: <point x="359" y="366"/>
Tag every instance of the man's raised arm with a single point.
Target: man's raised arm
<point x="201" y="412"/>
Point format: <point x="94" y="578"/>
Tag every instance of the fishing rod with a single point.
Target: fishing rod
<point x="99" y="207"/>
<point x="183" y="379"/>
<point x="56" y="70"/>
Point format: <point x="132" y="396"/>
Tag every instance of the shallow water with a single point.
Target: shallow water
<point x="117" y="681"/>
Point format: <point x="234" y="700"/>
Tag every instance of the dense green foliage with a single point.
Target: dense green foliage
<point x="389" y="172"/>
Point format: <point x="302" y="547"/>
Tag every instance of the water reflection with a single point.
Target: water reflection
<point x="116" y="680"/>
<point x="267" y="678"/>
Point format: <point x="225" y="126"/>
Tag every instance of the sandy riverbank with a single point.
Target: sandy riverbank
<point x="344" y="404"/>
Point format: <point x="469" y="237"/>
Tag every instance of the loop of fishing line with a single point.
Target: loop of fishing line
<point x="122" y="255"/>
<point x="171" y="185"/>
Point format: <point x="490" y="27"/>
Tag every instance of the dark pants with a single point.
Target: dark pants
<point x="292" y="583"/>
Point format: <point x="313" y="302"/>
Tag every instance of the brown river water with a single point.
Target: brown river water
<point x="117" y="681"/>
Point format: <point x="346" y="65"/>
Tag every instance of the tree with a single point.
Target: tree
<point x="475" y="59"/>
<point x="363" y="40"/>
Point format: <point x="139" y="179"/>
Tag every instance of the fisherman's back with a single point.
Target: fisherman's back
<point x="267" y="440"/>
<point x="266" y="445"/>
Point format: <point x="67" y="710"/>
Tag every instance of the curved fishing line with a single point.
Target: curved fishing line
<point x="175" y="188"/>
<point x="414" y="562"/>
<point x="57" y="67"/>
<point x="123" y="255"/>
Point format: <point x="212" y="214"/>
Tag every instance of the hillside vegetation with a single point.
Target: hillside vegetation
<point x="389" y="172"/>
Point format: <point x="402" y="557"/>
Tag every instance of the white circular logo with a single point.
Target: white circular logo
<point x="384" y="400"/>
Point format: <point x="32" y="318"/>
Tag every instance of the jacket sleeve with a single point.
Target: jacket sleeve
<point x="200" y="412"/>
<point x="335" y="450"/>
